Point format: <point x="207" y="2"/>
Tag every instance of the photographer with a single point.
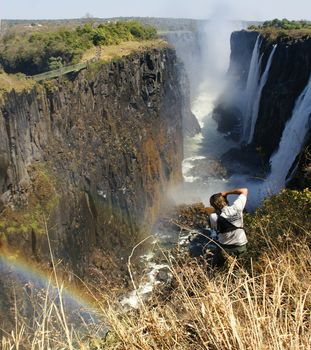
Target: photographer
<point x="228" y="221"/>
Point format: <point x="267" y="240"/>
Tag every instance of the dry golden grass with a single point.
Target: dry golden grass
<point x="17" y="82"/>
<point x="260" y="304"/>
<point x="110" y="52"/>
<point x="274" y="33"/>
<point x="235" y="309"/>
<point x="232" y="310"/>
<point x="89" y="54"/>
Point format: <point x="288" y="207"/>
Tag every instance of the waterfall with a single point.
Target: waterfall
<point x="255" y="107"/>
<point x="251" y="88"/>
<point x="292" y="140"/>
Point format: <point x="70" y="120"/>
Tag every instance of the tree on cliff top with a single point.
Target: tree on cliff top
<point x="40" y="51"/>
<point x="284" y="24"/>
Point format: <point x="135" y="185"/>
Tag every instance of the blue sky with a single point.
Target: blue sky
<point x="231" y="9"/>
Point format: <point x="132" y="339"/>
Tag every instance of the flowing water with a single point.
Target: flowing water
<point x="251" y="88"/>
<point x="203" y="172"/>
<point x="256" y="102"/>
<point x="292" y="140"/>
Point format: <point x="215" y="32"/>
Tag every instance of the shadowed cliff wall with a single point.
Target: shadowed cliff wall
<point x="288" y="75"/>
<point x="93" y="154"/>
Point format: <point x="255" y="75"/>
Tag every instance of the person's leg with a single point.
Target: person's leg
<point x="237" y="251"/>
<point x="218" y="259"/>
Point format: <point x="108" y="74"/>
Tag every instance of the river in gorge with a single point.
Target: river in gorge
<point x="203" y="175"/>
<point x="203" y="171"/>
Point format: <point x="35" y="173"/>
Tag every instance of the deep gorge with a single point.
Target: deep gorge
<point x="264" y="84"/>
<point x="94" y="154"/>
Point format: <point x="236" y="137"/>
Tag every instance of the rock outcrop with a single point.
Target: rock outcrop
<point x="301" y="177"/>
<point x="88" y="158"/>
<point x="227" y="113"/>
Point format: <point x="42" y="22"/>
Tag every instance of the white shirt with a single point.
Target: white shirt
<point x="234" y="214"/>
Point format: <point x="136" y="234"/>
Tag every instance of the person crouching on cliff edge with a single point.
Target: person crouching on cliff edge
<point x="228" y="221"/>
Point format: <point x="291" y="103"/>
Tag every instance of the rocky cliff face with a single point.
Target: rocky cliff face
<point x="288" y="75"/>
<point x="91" y="156"/>
<point x="301" y="177"/>
<point x="227" y="112"/>
<point x="242" y="44"/>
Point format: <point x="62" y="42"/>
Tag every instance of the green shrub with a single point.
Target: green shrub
<point x="282" y="218"/>
<point x="55" y="63"/>
<point x="38" y="52"/>
<point x="283" y="24"/>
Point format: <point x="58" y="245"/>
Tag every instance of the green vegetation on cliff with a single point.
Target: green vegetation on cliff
<point x="283" y="28"/>
<point x="39" y="51"/>
<point x="284" y="24"/>
<point x="41" y="202"/>
<point x="18" y="82"/>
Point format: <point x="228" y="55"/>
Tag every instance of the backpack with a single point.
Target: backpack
<point x="224" y="226"/>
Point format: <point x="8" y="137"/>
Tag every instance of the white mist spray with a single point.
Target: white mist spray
<point x="202" y="153"/>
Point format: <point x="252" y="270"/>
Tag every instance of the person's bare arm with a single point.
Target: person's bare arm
<point x="236" y="191"/>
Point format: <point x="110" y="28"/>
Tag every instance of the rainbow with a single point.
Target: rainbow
<point x="27" y="272"/>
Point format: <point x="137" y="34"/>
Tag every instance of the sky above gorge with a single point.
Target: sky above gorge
<point x="200" y="9"/>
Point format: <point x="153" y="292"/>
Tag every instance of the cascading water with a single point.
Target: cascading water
<point x="292" y="140"/>
<point x="202" y="169"/>
<point x="200" y="176"/>
<point x="255" y="107"/>
<point x="251" y="89"/>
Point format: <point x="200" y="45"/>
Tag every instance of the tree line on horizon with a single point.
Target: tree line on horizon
<point x="283" y="24"/>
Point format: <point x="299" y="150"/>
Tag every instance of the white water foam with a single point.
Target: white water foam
<point x="187" y="165"/>
<point x="136" y="297"/>
<point x="204" y="103"/>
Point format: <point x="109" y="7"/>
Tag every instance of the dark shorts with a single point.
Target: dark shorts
<point x="234" y="250"/>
